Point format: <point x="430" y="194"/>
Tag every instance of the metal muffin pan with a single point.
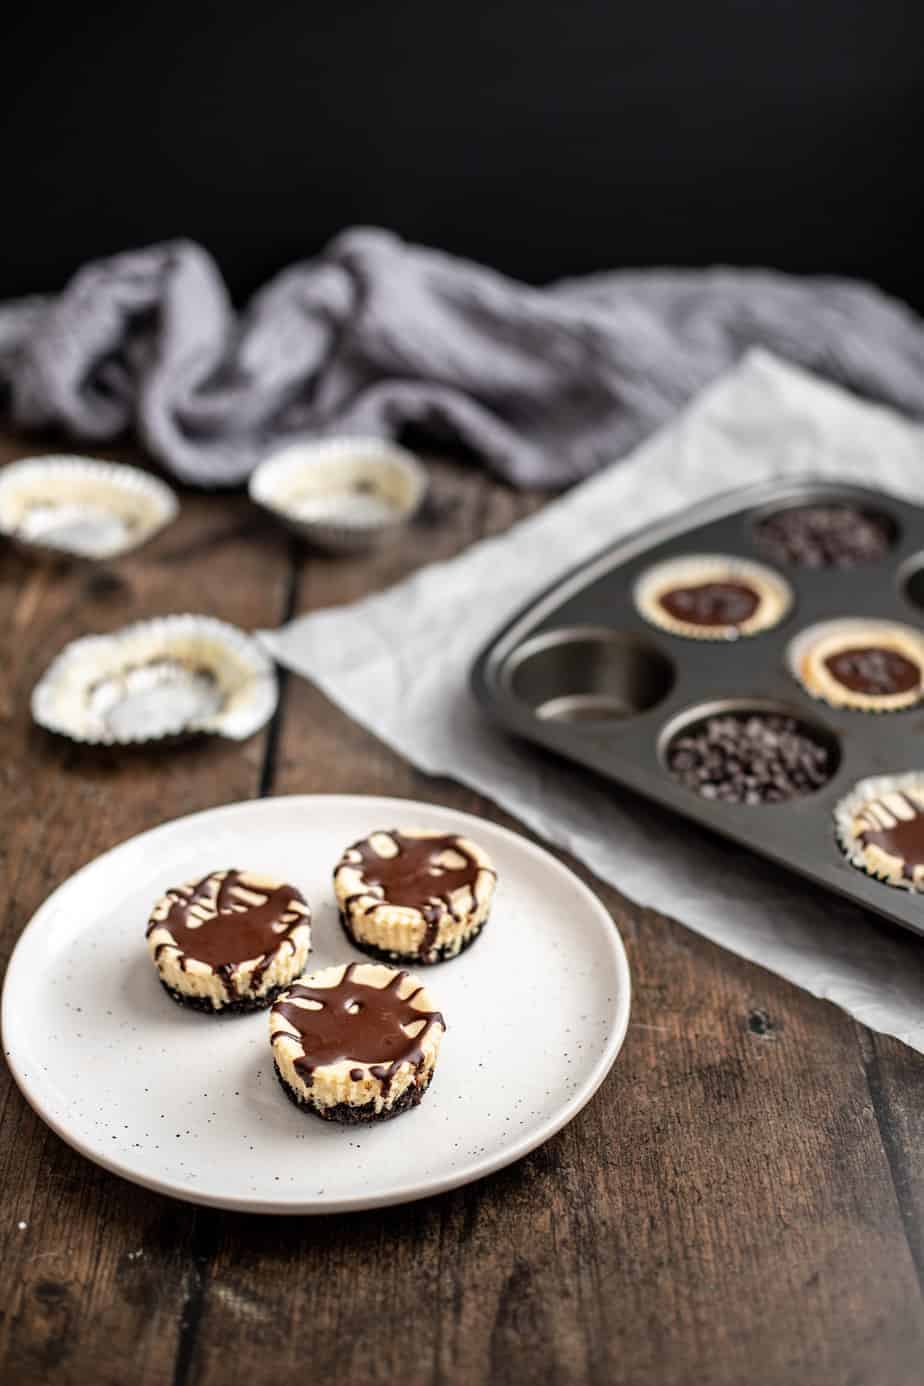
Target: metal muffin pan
<point x="582" y="673"/>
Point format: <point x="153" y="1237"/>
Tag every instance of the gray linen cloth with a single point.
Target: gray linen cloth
<point x="543" y="385"/>
<point x="398" y="662"/>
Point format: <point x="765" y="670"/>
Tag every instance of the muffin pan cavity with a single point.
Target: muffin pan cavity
<point x="754" y="753"/>
<point x="589" y="674"/>
<point x="733" y="732"/>
<point x="911" y="581"/>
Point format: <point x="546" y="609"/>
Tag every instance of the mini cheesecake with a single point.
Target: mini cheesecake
<point x="880" y="827"/>
<point x="414" y="894"/>
<point x="710" y="597"/>
<point x="230" y="942"/>
<point x="873" y="666"/>
<point x="355" y="1043"/>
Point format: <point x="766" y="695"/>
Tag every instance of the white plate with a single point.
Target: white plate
<point x="188" y="1104"/>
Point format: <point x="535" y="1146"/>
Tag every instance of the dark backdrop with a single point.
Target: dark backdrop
<point x="545" y="138"/>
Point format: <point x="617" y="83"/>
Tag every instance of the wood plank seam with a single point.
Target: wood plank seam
<point x="914" y="1234"/>
<point x="268" y="768"/>
<point x="208" y="1222"/>
<point x="207" y="1231"/>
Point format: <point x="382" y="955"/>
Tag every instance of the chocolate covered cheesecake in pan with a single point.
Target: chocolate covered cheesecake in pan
<point x="874" y="666"/>
<point x="880" y="826"/>
<point x="229" y="942"/>
<point x="711" y="597"/>
<point x="414" y="894"/>
<point x="356" y="1043"/>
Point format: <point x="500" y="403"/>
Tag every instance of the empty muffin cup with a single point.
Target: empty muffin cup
<point x="588" y="674"/>
<point x="911" y="581"/>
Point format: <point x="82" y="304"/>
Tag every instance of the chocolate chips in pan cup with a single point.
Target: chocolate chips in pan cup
<point x="415" y="894"/>
<point x="169" y="677"/>
<point x="827" y="534"/>
<point x="880" y="828"/>
<point x="911" y="581"/>
<point x="865" y="664"/>
<point x="80" y="507"/>
<point x="712" y="597"/>
<point x="749" y="753"/>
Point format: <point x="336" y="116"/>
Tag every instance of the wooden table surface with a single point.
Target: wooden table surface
<point x="741" y="1202"/>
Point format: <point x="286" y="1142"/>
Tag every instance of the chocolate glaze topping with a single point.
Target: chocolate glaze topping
<point x="875" y="671"/>
<point x="711" y="603"/>
<point x="414" y="877"/>
<point x="905" y="839"/>
<point x="236" y="929"/>
<point x="367" y="1024"/>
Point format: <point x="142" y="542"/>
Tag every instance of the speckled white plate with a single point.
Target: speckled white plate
<point x="187" y="1103"/>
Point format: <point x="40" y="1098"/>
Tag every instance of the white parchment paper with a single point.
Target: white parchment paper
<point x="399" y="662"/>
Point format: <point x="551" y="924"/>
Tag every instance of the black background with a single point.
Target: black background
<point x="546" y="139"/>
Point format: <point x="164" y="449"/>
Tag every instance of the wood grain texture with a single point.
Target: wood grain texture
<point x="95" y="1287"/>
<point x="741" y="1201"/>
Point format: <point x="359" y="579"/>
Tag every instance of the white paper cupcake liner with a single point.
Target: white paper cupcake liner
<point x="345" y="495"/>
<point x="807" y="651"/>
<point x="863" y="794"/>
<point x="773" y="592"/>
<point x="80" y="507"/>
<point x="167" y="677"/>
